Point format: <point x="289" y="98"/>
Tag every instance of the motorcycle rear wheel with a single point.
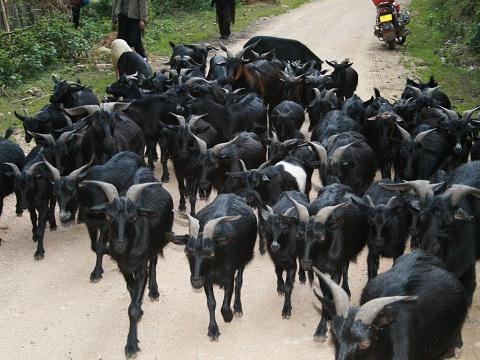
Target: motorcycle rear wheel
<point x="391" y="44"/>
<point x="401" y="40"/>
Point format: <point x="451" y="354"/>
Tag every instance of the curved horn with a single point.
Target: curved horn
<point x="452" y="115"/>
<point x="338" y="153"/>
<point x="431" y="91"/>
<point x="109" y="190"/>
<point x="209" y="228"/>
<point x="47" y="137"/>
<point x="74" y="174"/>
<point x="418" y="93"/>
<point x="224" y="48"/>
<point x="180" y="119"/>
<point x="244" y="168"/>
<point x="321" y="152"/>
<point x="132" y="77"/>
<point x="239" y="54"/>
<point x="193" y="224"/>
<point x="219" y="147"/>
<point x="301" y="209"/>
<point x="404" y="133"/>
<point x="274" y="137"/>
<point x="90" y="109"/>
<point x="65" y="135"/>
<point x="369" y="311"/>
<point x="421" y="187"/>
<point x="370" y="201"/>
<point x="468" y="114"/>
<point x="264" y="165"/>
<point x="324" y="213"/>
<point x="458" y="191"/>
<point x="331" y="140"/>
<point x="31" y="169"/>
<point x="202" y="145"/>
<point x="390" y="202"/>
<point x="194" y="119"/>
<point x="340" y="297"/>
<point x="53" y="169"/>
<point x="134" y="191"/>
<point x="329" y="94"/>
<point x="14" y="167"/>
<point x="194" y="79"/>
<point x="421" y="136"/>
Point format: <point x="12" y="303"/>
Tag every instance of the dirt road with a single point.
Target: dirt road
<point x="50" y="310"/>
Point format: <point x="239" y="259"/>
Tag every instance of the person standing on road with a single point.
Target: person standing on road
<point x="129" y="18"/>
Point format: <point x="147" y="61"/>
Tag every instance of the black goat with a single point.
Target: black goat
<point x="389" y="221"/>
<point x="10" y="152"/>
<point x="131" y="62"/>
<point x="33" y="191"/>
<point x="333" y="230"/>
<point x="267" y="183"/>
<point x="119" y="171"/>
<point x="413" y="311"/>
<point x="185" y="156"/>
<point x="46" y="121"/>
<point x="350" y="161"/>
<point x="286" y="120"/>
<point x="72" y="94"/>
<point x="277" y="228"/>
<point x="247" y="113"/>
<point x="219" y="246"/>
<point x="138" y="224"/>
<point x="345" y="78"/>
<point x="285" y="49"/>
<point x="225" y="157"/>
<point x="108" y="133"/>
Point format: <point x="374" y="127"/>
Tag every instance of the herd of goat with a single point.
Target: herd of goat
<point x="237" y="130"/>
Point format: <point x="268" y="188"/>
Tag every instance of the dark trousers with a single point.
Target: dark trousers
<point x="76" y="16"/>
<point x="129" y="30"/>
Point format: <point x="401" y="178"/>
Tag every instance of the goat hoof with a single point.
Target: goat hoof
<point x="39" y="255"/>
<point x="320" y="338"/>
<point x="213" y="334"/>
<point x="131" y="351"/>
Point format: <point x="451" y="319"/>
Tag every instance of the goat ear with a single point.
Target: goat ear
<point x="224" y="240"/>
<point x="347" y="165"/>
<point x="337" y="223"/>
<point x="99" y="209"/>
<point x="291" y="220"/>
<point x="85" y="176"/>
<point x="462" y="215"/>
<point x="146" y="212"/>
<point x="177" y="239"/>
<point x="385" y="317"/>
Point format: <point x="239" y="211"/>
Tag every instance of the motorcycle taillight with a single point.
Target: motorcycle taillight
<point x="385" y="10"/>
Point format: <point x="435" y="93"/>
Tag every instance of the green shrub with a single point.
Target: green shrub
<point x="33" y="50"/>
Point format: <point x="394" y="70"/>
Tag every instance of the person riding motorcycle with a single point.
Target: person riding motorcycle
<point x="396" y="6"/>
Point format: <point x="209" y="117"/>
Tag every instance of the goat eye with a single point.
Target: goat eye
<point x="421" y="217"/>
<point x="133" y="219"/>
<point x="109" y="218"/>
<point x="211" y="254"/>
<point x="449" y="220"/>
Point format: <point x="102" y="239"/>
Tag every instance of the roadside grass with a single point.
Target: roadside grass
<point x="455" y="68"/>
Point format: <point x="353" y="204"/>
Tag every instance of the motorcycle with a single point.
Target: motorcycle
<point x="390" y="27"/>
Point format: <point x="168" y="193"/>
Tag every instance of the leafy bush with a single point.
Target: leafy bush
<point x="33" y="50"/>
<point x="475" y="38"/>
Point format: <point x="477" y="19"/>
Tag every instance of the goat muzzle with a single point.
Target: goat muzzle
<point x="197" y="283"/>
